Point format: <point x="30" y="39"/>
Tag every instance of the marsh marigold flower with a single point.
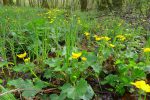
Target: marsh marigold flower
<point x="142" y="85"/>
<point x="76" y="55"/>
<point x="86" y="33"/>
<point x="111" y="45"/>
<point x="97" y="38"/>
<point x="83" y="58"/>
<point x="121" y="37"/>
<point x="106" y="38"/>
<point x="22" y="55"/>
<point x="146" y="49"/>
<point x="27" y="60"/>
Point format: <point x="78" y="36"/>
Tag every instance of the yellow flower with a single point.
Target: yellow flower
<point x="22" y="55"/>
<point x="27" y="60"/>
<point x="76" y="55"/>
<point x="121" y="37"/>
<point x="139" y="84"/>
<point x="142" y="85"/>
<point x="146" y="49"/>
<point x="146" y="88"/>
<point x="106" y="38"/>
<point x="86" y="33"/>
<point x="97" y="38"/>
<point x="111" y="45"/>
<point x="83" y="58"/>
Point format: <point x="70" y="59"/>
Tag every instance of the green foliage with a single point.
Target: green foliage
<point x="65" y="49"/>
<point x="7" y="96"/>
<point x="80" y="91"/>
<point x="27" y="86"/>
<point x="127" y="73"/>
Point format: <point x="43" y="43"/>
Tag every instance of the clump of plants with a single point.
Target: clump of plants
<point x="59" y="55"/>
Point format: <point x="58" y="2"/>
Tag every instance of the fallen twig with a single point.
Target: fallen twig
<point x="15" y="90"/>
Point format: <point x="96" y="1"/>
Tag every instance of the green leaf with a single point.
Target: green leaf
<point x="54" y="97"/>
<point x="81" y="87"/>
<point x="62" y="96"/>
<point x="147" y="69"/>
<point x="110" y="79"/>
<point x="89" y="94"/>
<point x="3" y="63"/>
<point x="48" y="73"/>
<point x="138" y="73"/>
<point x="97" y="68"/>
<point x="24" y="67"/>
<point x="40" y="84"/>
<point x="77" y="91"/>
<point x="91" y="58"/>
<point x="20" y="68"/>
<point x="7" y="96"/>
<point x="54" y="62"/>
<point x="29" y="90"/>
<point x="120" y="89"/>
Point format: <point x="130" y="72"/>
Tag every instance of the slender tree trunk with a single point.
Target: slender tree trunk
<point x="24" y="3"/>
<point x="39" y="3"/>
<point x="117" y="4"/>
<point x="83" y="4"/>
<point x="56" y="3"/>
<point x="18" y="3"/>
<point x="45" y="4"/>
<point x="102" y="4"/>
<point x="31" y="3"/>
<point x="5" y="2"/>
<point x="11" y="2"/>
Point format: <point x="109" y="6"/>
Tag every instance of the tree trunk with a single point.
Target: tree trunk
<point x="45" y="4"/>
<point x="39" y="3"/>
<point x="5" y="2"/>
<point x="18" y="2"/>
<point x="103" y="5"/>
<point x="31" y="3"/>
<point x="56" y="3"/>
<point x="11" y="2"/>
<point x="83" y="4"/>
<point x="117" y="4"/>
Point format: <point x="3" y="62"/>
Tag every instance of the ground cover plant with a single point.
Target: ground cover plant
<point x="61" y="54"/>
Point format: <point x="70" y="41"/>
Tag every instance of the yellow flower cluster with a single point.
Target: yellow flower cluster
<point x="86" y="33"/>
<point x="142" y="85"/>
<point x="111" y="45"/>
<point x="146" y="49"/>
<point x="27" y="60"/>
<point x="98" y="38"/>
<point x="121" y="37"/>
<point x="22" y="56"/>
<point x="52" y="15"/>
<point x="83" y="58"/>
<point x="78" y="55"/>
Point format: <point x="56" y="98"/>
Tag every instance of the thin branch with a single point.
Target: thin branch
<point x="15" y="90"/>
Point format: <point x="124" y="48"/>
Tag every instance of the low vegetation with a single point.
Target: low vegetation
<point x="58" y="54"/>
